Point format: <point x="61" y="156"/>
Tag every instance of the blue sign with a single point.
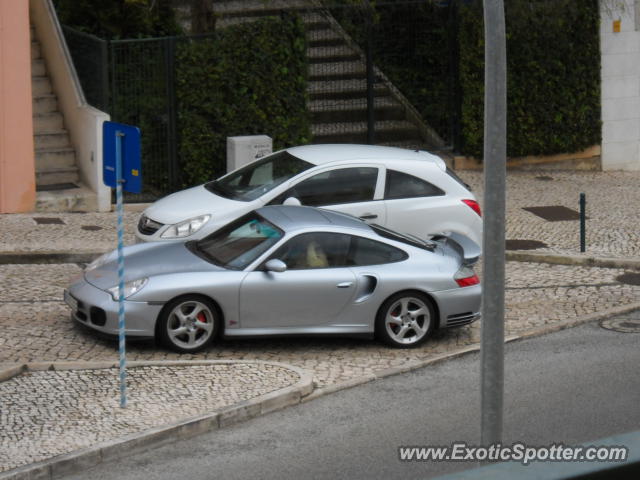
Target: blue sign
<point x="121" y="144"/>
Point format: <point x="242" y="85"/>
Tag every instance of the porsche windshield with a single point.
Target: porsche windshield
<point x="239" y="243"/>
<point x="258" y="178"/>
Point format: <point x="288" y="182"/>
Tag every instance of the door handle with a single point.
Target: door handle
<point x="368" y="216"/>
<point x="344" y="284"/>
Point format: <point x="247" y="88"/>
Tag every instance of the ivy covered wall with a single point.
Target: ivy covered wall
<point x="553" y="78"/>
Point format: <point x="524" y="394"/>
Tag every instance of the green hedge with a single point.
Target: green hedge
<point x="553" y="57"/>
<point x="250" y="79"/>
<point x="114" y="19"/>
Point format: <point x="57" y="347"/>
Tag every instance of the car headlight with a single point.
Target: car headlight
<point x="186" y="228"/>
<point x="129" y="288"/>
<point x="98" y="262"/>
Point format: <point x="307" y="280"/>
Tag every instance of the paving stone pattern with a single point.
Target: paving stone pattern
<point x="612" y="210"/>
<point x="21" y="233"/>
<point x="48" y="413"/>
<point x="35" y="324"/>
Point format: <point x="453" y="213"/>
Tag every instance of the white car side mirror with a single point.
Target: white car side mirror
<point x="292" y="201"/>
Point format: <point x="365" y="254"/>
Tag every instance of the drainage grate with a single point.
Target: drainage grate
<point x="555" y="213"/>
<point x="545" y="178"/>
<point x="524" y="244"/>
<point x="56" y="186"/>
<point x="629" y="278"/>
<point x="91" y="228"/>
<point x="48" y="221"/>
<point x="623" y="325"/>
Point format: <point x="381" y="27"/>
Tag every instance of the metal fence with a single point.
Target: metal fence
<point x="386" y="75"/>
<point x="91" y="60"/>
<point x="143" y="94"/>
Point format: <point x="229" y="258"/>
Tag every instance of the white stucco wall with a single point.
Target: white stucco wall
<point x="620" y="85"/>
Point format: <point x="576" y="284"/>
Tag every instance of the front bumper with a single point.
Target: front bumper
<point x="95" y="309"/>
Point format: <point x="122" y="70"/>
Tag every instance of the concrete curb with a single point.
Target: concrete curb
<point x="24" y="258"/>
<point x="575" y="260"/>
<point x="535" y="332"/>
<point x="79" y="460"/>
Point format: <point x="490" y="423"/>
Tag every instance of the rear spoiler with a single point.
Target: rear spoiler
<point x="467" y="249"/>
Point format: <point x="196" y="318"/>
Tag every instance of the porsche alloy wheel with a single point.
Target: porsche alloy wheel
<point x="188" y="324"/>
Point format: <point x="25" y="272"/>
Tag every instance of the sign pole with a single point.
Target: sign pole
<point x="120" y="208"/>
<point x="495" y="146"/>
<point x="121" y="163"/>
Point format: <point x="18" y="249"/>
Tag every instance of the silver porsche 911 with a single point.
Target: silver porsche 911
<point x="285" y="270"/>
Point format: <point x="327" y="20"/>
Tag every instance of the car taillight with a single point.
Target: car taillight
<point x="473" y="205"/>
<point x="466" y="277"/>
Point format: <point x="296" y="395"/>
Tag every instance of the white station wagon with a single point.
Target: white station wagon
<point x="409" y="191"/>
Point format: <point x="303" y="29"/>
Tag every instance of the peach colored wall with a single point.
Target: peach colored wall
<point x="17" y="165"/>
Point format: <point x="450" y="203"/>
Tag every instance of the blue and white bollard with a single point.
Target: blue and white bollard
<point x="121" y="324"/>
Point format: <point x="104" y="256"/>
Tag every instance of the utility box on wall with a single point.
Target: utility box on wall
<point x="243" y="150"/>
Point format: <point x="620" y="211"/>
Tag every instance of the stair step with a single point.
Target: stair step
<point x="53" y="139"/>
<point x="257" y="7"/>
<point x="46" y="103"/>
<point x="38" y="68"/>
<point x="343" y="89"/>
<point x="52" y="158"/>
<point x="40" y="86"/>
<point x="312" y="22"/>
<point x="355" y="110"/>
<point x="79" y="199"/>
<point x="356" y="132"/>
<point x="47" y="122"/>
<point x="35" y="50"/>
<point x="52" y="176"/>
<point x="338" y="53"/>
<point x="231" y="21"/>
<point x="337" y="71"/>
<point x="318" y="24"/>
<point x="324" y="38"/>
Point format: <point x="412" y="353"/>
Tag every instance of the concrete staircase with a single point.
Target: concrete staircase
<point x="337" y="81"/>
<point x="58" y="184"/>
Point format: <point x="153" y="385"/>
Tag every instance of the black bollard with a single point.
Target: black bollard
<point x="583" y="223"/>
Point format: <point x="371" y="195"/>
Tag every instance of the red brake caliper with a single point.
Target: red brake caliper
<point x="395" y="328"/>
<point x="201" y="317"/>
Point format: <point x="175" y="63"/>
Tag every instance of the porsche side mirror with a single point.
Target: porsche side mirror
<point x="292" y="201"/>
<point x="275" y="265"/>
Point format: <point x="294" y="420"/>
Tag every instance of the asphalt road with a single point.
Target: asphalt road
<point x="571" y="386"/>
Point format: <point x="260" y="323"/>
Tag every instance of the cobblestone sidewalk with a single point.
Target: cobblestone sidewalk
<point x="36" y="326"/>
<point x="49" y="413"/>
<point x="612" y="202"/>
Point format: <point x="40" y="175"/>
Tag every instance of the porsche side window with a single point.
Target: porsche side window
<point x="314" y="250"/>
<point x="364" y="251"/>
<point x="402" y="185"/>
<point x="344" y="185"/>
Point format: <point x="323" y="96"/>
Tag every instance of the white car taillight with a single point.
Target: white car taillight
<point x="473" y="205"/>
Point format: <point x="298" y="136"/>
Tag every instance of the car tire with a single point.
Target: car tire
<point x="405" y="320"/>
<point x="188" y="324"/>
